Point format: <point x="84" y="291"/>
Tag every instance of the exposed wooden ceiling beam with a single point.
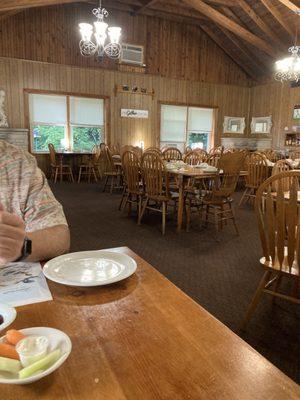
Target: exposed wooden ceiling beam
<point x="228" y="3"/>
<point x="229" y="52"/>
<point x="289" y="5"/>
<point x="243" y="51"/>
<point x="232" y="26"/>
<point x="260" y="22"/>
<point x="255" y="58"/>
<point x="278" y="16"/>
<point x="148" y="4"/>
<point x="8" y="5"/>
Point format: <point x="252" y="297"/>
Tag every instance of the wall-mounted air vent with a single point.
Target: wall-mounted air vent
<point x="132" y="54"/>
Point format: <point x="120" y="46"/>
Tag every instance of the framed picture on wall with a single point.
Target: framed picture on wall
<point x="296" y="114"/>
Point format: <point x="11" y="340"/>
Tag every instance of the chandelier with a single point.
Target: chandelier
<point x="288" y="69"/>
<point x="99" y="46"/>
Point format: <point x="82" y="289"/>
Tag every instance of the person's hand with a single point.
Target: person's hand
<point x="12" y="235"/>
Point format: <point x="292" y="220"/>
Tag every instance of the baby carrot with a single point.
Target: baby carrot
<point x="13" y="336"/>
<point x="8" y="351"/>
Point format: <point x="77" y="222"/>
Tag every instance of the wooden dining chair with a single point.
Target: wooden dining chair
<point x="216" y="150"/>
<point x="218" y="202"/>
<point x="89" y="167"/>
<point x="153" y="150"/>
<point x="57" y="167"/>
<point x="213" y="159"/>
<point x="111" y="172"/>
<point x="171" y="154"/>
<point x="257" y="172"/>
<point x="203" y="153"/>
<point x="194" y="158"/>
<point x="133" y="191"/>
<point x="156" y="181"/>
<point x="278" y="216"/>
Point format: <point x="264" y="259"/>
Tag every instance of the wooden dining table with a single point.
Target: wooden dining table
<point x="144" y="339"/>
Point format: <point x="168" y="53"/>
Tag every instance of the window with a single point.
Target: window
<point x="69" y="122"/>
<point x="183" y="125"/>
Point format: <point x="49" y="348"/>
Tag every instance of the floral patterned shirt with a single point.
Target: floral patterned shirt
<point x="24" y="190"/>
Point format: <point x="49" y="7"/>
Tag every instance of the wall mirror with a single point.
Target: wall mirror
<point x="261" y="125"/>
<point x="234" y="125"/>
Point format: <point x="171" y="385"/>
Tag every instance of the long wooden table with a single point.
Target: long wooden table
<point x="144" y="339"/>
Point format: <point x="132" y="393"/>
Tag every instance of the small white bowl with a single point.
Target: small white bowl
<point x="57" y="340"/>
<point x="9" y="315"/>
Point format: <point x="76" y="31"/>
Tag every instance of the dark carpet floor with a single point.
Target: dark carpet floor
<point x="219" y="271"/>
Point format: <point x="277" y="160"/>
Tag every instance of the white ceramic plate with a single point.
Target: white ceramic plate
<point x="57" y="340"/>
<point x="90" y="268"/>
<point x="9" y="315"/>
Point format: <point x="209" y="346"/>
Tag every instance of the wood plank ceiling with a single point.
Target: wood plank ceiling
<point x="254" y="33"/>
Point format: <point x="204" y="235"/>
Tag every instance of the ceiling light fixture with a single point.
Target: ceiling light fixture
<point x="99" y="47"/>
<point x="288" y="69"/>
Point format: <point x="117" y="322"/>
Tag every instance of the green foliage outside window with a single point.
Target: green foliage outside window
<point x="45" y="134"/>
<point x="86" y="138"/>
<point x="198" y="138"/>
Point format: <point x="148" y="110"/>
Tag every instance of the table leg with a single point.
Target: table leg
<point x="181" y="183"/>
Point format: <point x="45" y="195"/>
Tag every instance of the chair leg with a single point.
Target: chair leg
<point x="106" y="182"/>
<point x="79" y="175"/>
<point x="243" y="196"/>
<point x="129" y="200"/>
<point x="122" y="199"/>
<point x="112" y="184"/>
<point x="71" y="174"/>
<point x="233" y="220"/>
<point x="94" y="174"/>
<point x="188" y="214"/>
<point x="206" y="215"/>
<point x="255" y="300"/>
<point x="139" y="199"/>
<point x="143" y="210"/>
<point x="164" y="211"/>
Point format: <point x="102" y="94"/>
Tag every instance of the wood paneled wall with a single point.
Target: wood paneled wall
<point x="278" y="100"/>
<point x="173" y="49"/>
<point x="17" y="75"/>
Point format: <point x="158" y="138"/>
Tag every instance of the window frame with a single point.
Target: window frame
<point x="68" y="126"/>
<point x="211" y="140"/>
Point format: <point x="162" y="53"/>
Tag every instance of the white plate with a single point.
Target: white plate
<point x="57" y="340"/>
<point x="90" y="268"/>
<point x="9" y="315"/>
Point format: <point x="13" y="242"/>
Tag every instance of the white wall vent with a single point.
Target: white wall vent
<point x="132" y="54"/>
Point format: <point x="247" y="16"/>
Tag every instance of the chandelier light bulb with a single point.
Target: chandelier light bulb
<point x="114" y="34"/>
<point x="86" y="31"/>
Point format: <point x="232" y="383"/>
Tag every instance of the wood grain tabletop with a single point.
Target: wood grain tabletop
<point x="144" y="339"/>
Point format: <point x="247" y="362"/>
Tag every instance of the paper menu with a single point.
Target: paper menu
<point x="23" y="283"/>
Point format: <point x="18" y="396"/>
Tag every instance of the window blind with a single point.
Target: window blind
<point x="173" y="123"/>
<point x="48" y="109"/>
<point x="86" y="111"/>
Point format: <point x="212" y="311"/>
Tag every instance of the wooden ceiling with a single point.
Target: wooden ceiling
<point x="254" y="33"/>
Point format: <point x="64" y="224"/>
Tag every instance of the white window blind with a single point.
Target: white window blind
<point x="86" y="111"/>
<point x="48" y="109"/>
<point x="200" y="119"/>
<point x="173" y="123"/>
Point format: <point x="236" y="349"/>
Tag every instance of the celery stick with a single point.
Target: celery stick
<point x="42" y="364"/>
<point x="10" y="365"/>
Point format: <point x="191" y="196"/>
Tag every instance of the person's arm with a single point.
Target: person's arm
<point x="46" y="243"/>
